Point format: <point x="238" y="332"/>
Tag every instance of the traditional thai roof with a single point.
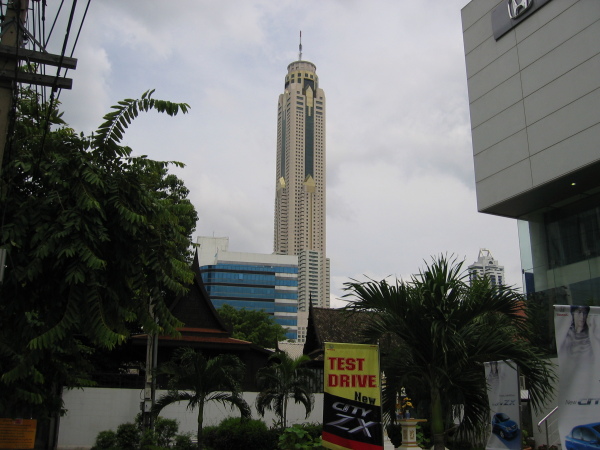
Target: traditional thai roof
<point x="203" y="327"/>
<point x="331" y="325"/>
<point x="337" y="325"/>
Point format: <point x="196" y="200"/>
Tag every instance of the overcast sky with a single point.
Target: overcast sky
<point x="400" y="183"/>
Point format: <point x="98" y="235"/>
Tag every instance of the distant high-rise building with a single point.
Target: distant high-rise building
<point x="300" y="182"/>
<point x="487" y="266"/>
<point x="252" y="281"/>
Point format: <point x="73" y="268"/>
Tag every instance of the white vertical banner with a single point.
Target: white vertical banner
<point x="505" y="413"/>
<point x="577" y="330"/>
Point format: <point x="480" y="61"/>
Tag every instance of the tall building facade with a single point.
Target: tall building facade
<point x="534" y="97"/>
<point x="487" y="266"/>
<point x="300" y="182"/>
<point x="253" y="281"/>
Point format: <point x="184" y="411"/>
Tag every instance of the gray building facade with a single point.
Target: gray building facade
<point x="534" y="97"/>
<point x="533" y="71"/>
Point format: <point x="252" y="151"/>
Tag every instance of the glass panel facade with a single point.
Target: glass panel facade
<point x="255" y="287"/>
<point x="560" y="257"/>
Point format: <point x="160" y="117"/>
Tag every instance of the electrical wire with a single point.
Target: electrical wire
<point x="76" y="39"/>
<point x="53" y="90"/>
<point x="54" y="23"/>
<point x="87" y="7"/>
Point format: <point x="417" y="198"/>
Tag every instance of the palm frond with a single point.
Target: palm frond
<point x="444" y="329"/>
<point x="111" y="131"/>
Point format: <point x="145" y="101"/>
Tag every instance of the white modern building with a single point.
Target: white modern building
<point x="300" y="182"/>
<point x="533" y="75"/>
<point x="254" y="281"/>
<point x="487" y="266"/>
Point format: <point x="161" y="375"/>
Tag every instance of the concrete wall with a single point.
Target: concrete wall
<point x="534" y="97"/>
<point x="92" y="410"/>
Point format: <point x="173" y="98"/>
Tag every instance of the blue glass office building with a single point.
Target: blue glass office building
<point x="254" y="281"/>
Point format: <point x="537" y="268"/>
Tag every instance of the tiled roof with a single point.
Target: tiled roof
<point x="331" y="325"/>
<point x="337" y="325"/>
<point x="203" y="327"/>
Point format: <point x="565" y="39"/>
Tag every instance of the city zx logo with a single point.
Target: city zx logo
<point x="352" y="419"/>
<point x="517" y="7"/>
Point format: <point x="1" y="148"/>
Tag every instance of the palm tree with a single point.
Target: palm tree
<point x="286" y="378"/>
<point x="443" y="330"/>
<point x="198" y="380"/>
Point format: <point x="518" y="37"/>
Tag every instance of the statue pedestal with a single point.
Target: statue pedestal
<point x="409" y="433"/>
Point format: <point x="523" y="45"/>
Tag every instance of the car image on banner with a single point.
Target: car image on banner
<point x="503" y="395"/>
<point x="584" y="437"/>
<point x="503" y="426"/>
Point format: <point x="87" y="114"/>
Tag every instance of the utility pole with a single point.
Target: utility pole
<point x="150" y="378"/>
<point x="12" y="36"/>
<point x="13" y="32"/>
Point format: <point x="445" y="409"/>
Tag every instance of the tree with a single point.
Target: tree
<point x="205" y="380"/>
<point x="444" y="330"/>
<point x="96" y="239"/>
<point x="254" y="326"/>
<point x="287" y="378"/>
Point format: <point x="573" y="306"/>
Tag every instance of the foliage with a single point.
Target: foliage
<point x="314" y="429"/>
<point x="296" y="437"/>
<point x="184" y="442"/>
<point x="235" y="432"/>
<point x="166" y="430"/>
<point x="198" y="380"/>
<point x="96" y="238"/>
<point x="422" y="440"/>
<point x="128" y="436"/>
<point x="132" y="436"/>
<point x="443" y="331"/>
<point x="283" y="379"/>
<point x="254" y="326"/>
<point x="105" y="440"/>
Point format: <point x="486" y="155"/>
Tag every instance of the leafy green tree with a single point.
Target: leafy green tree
<point x="444" y="329"/>
<point x="96" y="238"/>
<point x="254" y="326"/>
<point x="198" y="380"/>
<point x="286" y="378"/>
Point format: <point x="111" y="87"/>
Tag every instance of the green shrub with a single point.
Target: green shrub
<point x="148" y="440"/>
<point x="296" y="437"/>
<point x="105" y="440"/>
<point x="234" y="433"/>
<point x="165" y="429"/>
<point x="132" y="436"/>
<point x="128" y="436"/>
<point x="314" y="429"/>
<point x="184" y="442"/>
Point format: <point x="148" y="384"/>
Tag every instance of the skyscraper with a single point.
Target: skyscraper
<point x="300" y="181"/>
<point x="487" y="266"/>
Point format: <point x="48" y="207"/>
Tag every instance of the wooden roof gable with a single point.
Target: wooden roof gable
<point x="195" y="309"/>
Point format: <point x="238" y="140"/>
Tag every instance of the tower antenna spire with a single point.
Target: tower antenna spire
<point x="300" y="48"/>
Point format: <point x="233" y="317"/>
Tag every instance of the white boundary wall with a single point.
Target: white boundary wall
<point x="92" y="410"/>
